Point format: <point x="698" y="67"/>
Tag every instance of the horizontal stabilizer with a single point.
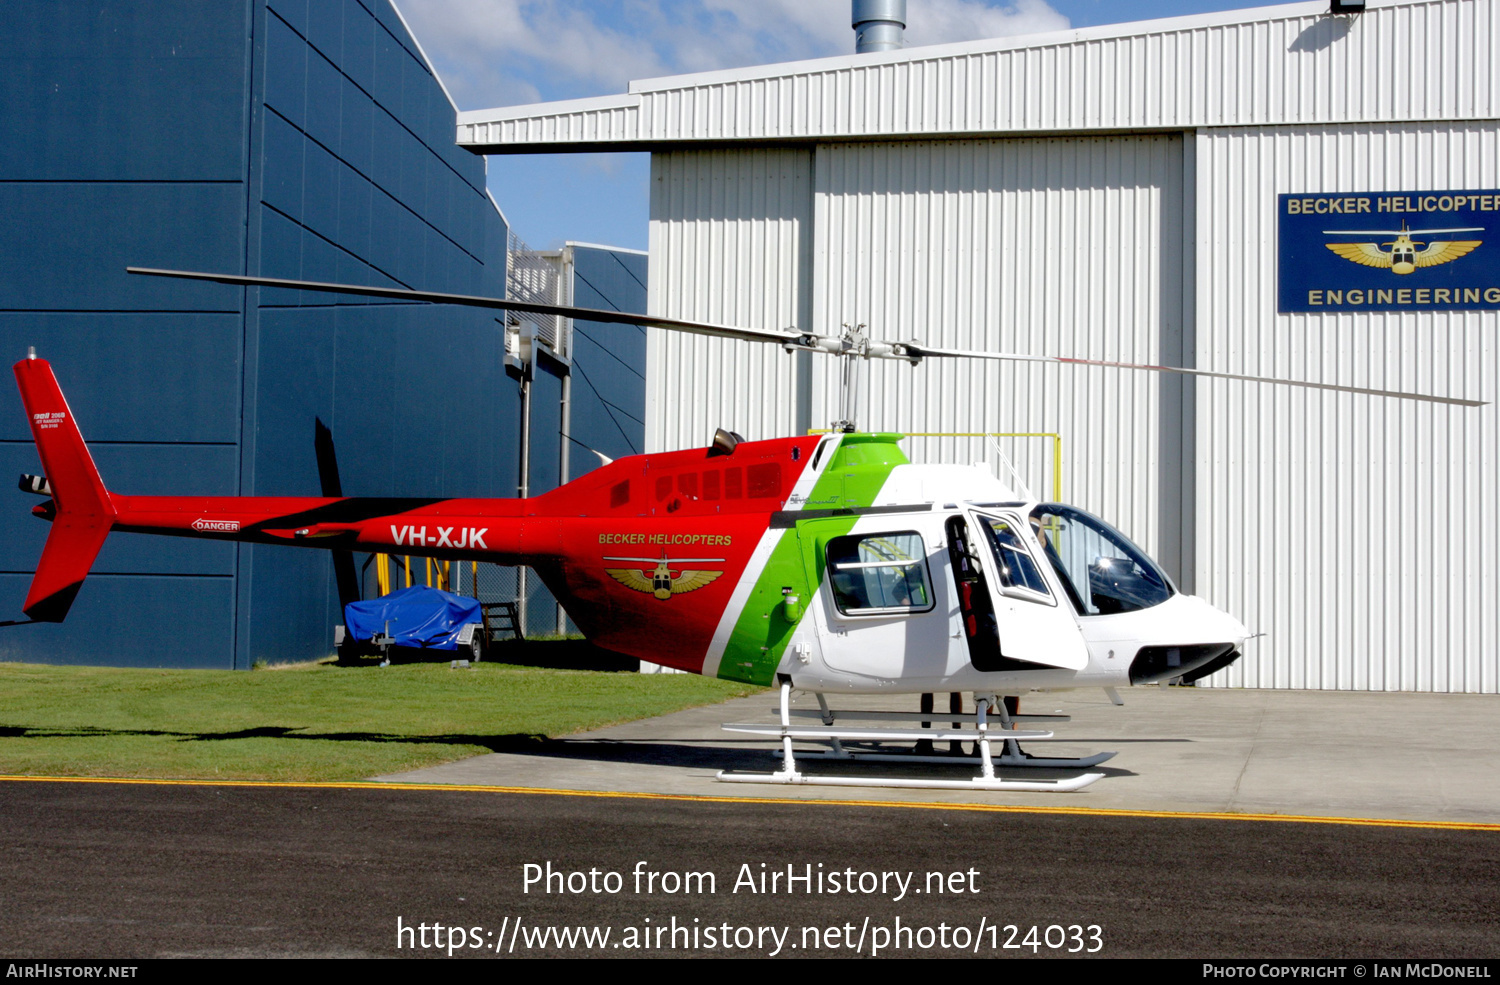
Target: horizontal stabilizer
<point x="72" y="545"/>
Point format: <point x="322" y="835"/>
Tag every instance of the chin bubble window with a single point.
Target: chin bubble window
<point x="879" y="573"/>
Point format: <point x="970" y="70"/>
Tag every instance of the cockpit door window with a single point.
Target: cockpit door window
<point x="1032" y="629"/>
<point x="1020" y="575"/>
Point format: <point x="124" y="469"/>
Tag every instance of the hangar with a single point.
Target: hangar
<point x="1161" y="192"/>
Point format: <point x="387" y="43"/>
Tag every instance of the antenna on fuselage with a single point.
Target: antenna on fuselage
<point x="1021" y="486"/>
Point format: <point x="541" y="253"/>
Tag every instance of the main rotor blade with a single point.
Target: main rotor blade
<point x="918" y="350"/>
<point x="785" y="338"/>
<point x="474" y="301"/>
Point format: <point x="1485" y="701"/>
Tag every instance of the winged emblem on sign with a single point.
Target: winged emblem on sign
<point x="660" y="581"/>
<point x="1404" y="254"/>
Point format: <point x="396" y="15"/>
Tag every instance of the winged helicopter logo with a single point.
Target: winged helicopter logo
<point x="660" y="581"/>
<point x="1403" y="257"/>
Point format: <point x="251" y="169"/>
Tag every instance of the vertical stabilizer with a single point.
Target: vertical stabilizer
<point x="84" y="513"/>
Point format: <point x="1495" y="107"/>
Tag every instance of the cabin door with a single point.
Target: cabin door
<point x="878" y="607"/>
<point x="1009" y="615"/>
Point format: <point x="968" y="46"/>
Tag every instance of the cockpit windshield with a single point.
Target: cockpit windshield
<point x="1103" y="571"/>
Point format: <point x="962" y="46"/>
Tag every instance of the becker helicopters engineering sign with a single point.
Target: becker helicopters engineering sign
<point x="1389" y="251"/>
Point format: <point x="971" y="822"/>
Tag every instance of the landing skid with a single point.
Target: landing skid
<point x="980" y="735"/>
<point x="977" y="783"/>
<point x="1024" y="760"/>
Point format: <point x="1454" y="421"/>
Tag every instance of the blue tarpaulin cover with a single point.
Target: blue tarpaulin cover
<point x="419" y="616"/>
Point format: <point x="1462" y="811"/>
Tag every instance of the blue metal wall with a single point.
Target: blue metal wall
<point x="607" y="392"/>
<point x="609" y="361"/>
<point x="294" y="139"/>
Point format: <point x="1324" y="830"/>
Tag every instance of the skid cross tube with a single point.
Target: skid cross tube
<point x="829" y="730"/>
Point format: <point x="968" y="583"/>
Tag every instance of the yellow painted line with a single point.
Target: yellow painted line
<point x="706" y="799"/>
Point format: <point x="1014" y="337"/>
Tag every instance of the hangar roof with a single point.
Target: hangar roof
<point x="1400" y="61"/>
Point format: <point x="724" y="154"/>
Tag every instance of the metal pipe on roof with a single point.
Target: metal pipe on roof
<point x="879" y="25"/>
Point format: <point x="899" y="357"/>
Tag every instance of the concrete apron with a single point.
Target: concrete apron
<point x="1417" y="757"/>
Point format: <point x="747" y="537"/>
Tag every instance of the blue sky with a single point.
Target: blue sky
<point x="509" y="52"/>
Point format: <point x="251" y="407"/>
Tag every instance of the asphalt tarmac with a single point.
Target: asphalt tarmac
<point x="1231" y="824"/>
<point x="130" y="870"/>
<point x="1411" y="756"/>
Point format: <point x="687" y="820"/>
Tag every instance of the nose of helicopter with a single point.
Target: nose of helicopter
<point x="1197" y="639"/>
<point x="1207" y="621"/>
<point x="1229" y="627"/>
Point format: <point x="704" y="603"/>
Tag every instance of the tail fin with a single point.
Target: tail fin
<point x="84" y="510"/>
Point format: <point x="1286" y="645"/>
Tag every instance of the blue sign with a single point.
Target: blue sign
<point x="1389" y="251"/>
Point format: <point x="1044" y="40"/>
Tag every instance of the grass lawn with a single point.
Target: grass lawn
<point x="310" y="722"/>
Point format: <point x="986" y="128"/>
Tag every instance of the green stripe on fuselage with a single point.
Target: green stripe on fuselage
<point x="853" y="477"/>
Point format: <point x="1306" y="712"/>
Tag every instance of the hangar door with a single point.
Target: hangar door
<point x="1061" y="246"/>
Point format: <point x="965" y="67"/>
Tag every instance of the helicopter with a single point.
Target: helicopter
<point x="827" y="564"/>
<point x="1403" y="257"/>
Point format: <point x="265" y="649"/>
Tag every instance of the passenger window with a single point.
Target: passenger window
<point x="879" y="573"/>
<point x="1018" y="569"/>
<point x="764" y="480"/>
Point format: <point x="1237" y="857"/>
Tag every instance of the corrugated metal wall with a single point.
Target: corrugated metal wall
<point x="1055" y="246"/>
<point x="730" y="234"/>
<point x="1429" y="59"/>
<point x="1359" y="534"/>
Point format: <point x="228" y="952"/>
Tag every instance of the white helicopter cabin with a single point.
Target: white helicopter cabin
<point x="975" y="588"/>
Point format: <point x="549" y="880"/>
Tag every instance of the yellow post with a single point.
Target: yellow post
<point x="445" y="583"/>
<point x="428" y="562"/>
<point x="1057" y="467"/>
<point x="383" y="573"/>
<point x="408" y="571"/>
